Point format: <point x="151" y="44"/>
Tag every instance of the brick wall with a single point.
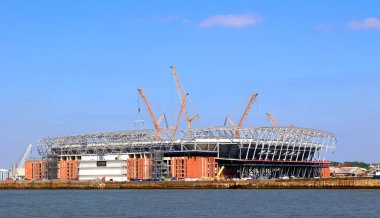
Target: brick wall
<point x="68" y="169"/>
<point x="138" y="168"/>
<point x="35" y="170"/>
<point x="194" y="167"/>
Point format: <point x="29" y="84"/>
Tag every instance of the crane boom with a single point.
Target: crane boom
<point x="181" y="96"/>
<point x="151" y="114"/>
<point x="271" y="119"/>
<point x="244" y="116"/>
<point x="220" y="172"/>
<point x="177" y="81"/>
<point x="247" y="109"/>
<point x="162" y="117"/>
<point x="25" y="156"/>
<point x="230" y="121"/>
<point x="179" y="115"/>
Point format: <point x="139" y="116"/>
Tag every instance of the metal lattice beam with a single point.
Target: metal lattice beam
<point x="255" y="143"/>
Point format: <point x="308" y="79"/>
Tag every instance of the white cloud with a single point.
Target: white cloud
<point x="367" y="23"/>
<point x="231" y="20"/>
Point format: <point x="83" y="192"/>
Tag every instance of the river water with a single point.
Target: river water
<point x="189" y="203"/>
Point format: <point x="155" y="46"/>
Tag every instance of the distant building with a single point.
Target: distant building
<point x="4" y="174"/>
<point x="347" y="171"/>
<point x="375" y="170"/>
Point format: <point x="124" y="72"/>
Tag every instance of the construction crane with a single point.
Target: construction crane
<point x="25" y="156"/>
<point x="179" y="116"/>
<point x="156" y="123"/>
<point x="271" y="119"/>
<point x="245" y="114"/>
<point x="19" y="170"/>
<point x="181" y="96"/>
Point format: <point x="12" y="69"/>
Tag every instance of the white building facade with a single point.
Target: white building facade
<point x="111" y="167"/>
<point x="4" y="174"/>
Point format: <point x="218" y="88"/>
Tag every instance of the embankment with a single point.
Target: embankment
<point x="332" y="183"/>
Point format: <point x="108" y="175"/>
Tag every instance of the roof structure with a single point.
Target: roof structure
<point x="221" y="140"/>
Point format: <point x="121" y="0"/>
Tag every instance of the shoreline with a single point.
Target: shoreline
<point x="330" y="183"/>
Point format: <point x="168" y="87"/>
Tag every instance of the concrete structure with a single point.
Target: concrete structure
<point x="4" y="174"/>
<point x="337" y="183"/>
<point x="347" y="171"/>
<point x="249" y="152"/>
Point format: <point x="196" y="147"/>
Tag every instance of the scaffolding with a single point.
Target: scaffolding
<point x="52" y="166"/>
<point x="159" y="168"/>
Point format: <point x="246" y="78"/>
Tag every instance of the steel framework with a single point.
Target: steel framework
<point x="252" y="143"/>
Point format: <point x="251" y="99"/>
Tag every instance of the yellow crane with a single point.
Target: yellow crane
<point x="271" y="119"/>
<point x="245" y="114"/>
<point x="181" y="96"/>
<point x="151" y="114"/>
<point x="219" y="173"/>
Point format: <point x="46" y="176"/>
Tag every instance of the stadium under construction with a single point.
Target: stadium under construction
<point x="194" y="153"/>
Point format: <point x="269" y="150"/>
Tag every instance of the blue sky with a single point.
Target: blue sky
<point x="70" y="67"/>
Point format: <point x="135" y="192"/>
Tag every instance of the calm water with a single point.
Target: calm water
<point x="190" y="203"/>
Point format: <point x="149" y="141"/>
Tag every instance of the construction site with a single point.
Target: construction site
<point x="232" y="151"/>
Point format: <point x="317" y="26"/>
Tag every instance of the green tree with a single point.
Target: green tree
<point x="351" y="163"/>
